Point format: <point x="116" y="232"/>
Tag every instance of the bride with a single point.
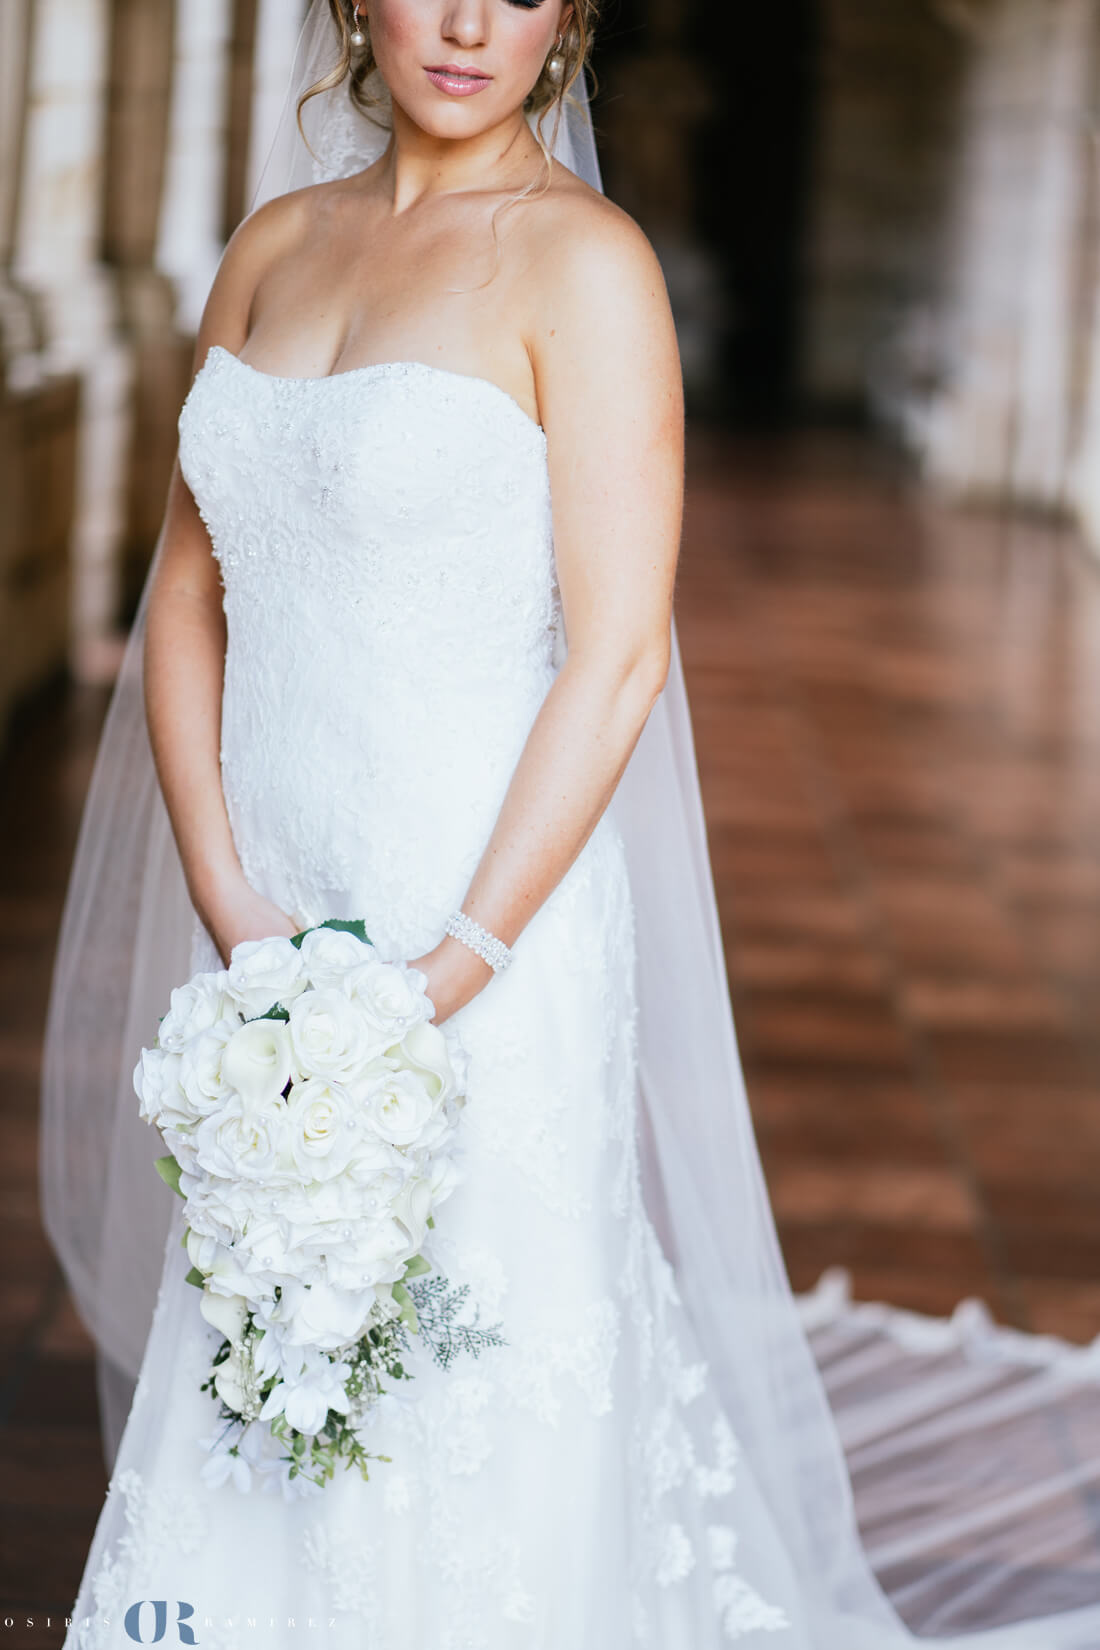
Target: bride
<point x="407" y="654"/>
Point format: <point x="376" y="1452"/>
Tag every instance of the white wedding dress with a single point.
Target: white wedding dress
<point x="384" y="537"/>
<point x="394" y="624"/>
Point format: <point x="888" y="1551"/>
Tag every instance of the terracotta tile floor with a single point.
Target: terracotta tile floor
<point x="898" y="718"/>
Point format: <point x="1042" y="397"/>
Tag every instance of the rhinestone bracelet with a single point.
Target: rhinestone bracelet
<point x="487" y="946"/>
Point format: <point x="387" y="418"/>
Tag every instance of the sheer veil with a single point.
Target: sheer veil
<point x="125" y="941"/>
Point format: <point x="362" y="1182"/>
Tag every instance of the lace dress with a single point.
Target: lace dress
<point x="384" y="537"/>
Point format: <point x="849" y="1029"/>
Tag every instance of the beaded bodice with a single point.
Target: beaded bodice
<point x="384" y="538"/>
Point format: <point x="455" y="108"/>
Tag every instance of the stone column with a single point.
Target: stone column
<point x="189" y="242"/>
<point x="242" y="50"/>
<point x="56" y="257"/>
<point x="278" y="25"/>
<point x="141" y="51"/>
<point x="16" y="312"/>
<point x="1003" y="426"/>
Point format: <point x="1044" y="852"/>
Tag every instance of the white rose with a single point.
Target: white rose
<point x="183" y="1150"/>
<point x="256" y="1060"/>
<point x="265" y="972"/>
<point x="229" y="1313"/>
<point x="194" y="1007"/>
<point x="157" y="1085"/>
<point x="264" y="1255"/>
<point x="329" y="954"/>
<point x="201" y="1068"/>
<point x="222" y="1208"/>
<point x="398" y="1107"/>
<point x="200" y="1248"/>
<point x="241" y="1141"/>
<point x="375" y="1193"/>
<point x="329" y="1036"/>
<point x="382" y="1251"/>
<point x="371" y="1157"/>
<point x="390" y="994"/>
<point x="320" y="1128"/>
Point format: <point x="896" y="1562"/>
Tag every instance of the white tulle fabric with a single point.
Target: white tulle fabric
<point x="653" y="1460"/>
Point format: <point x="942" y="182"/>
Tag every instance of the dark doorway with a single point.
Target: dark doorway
<point x="704" y="120"/>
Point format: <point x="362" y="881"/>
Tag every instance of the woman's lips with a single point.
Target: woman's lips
<point x="457" y="82"/>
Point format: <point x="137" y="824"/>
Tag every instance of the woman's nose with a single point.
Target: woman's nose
<point x="466" y="22"/>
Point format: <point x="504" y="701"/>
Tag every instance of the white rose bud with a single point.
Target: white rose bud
<point x="329" y="955"/>
<point x="390" y="995"/>
<point x="194" y="1007"/>
<point x="262" y="973"/>
<point x="157" y="1085"/>
<point x="398" y="1107"/>
<point x="319" y="1123"/>
<point x="329" y="1036"/>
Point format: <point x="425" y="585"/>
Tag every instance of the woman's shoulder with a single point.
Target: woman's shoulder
<point x="583" y="243"/>
<point x="588" y="255"/>
<point x="270" y="233"/>
<point x="281" y="222"/>
<point x="585" y="225"/>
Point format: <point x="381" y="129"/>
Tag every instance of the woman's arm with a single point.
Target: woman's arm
<point x="184" y="655"/>
<point x="610" y="394"/>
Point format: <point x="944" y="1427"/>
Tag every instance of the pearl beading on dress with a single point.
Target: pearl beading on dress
<point x="487" y="946"/>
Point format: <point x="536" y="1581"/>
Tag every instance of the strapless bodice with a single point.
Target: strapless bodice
<point x="393" y="619"/>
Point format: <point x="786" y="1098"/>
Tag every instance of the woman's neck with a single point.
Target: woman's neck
<point x="416" y="164"/>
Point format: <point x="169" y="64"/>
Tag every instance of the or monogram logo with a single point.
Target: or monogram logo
<point x="132" y="1621"/>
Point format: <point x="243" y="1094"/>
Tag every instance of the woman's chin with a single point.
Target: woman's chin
<point x="440" y="116"/>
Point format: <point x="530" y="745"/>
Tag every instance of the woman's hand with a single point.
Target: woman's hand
<point x="243" y="914"/>
<point x="455" y="976"/>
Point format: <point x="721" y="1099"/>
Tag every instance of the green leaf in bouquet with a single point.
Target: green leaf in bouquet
<point x="417" y="1266"/>
<point x="343" y="926"/>
<point x="408" y="1310"/>
<point x="169" y="1171"/>
<point x="196" y="1277"/>
<point x="275" y="1012"/>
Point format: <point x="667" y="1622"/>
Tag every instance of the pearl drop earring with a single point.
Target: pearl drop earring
<point x="555" y="63"/>
<point x="358" y="37"/>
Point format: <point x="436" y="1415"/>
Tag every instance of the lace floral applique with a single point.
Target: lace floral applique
<point x="675" y="1556"/>
<point x="157" y="1523"/>
<point x="347" y="1565"/>
<point x="588" y="1356"/>
<point x="719" y="1479"/>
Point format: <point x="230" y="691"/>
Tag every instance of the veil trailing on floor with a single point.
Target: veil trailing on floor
<point x="930" y="1414"/>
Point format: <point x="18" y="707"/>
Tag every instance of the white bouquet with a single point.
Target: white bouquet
<point x="310" y="1107"/>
